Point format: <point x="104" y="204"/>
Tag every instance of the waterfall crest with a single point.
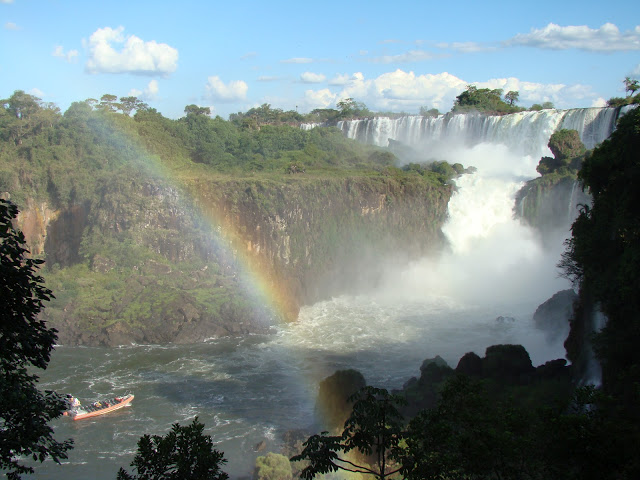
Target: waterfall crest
<point x="525" y="132"/>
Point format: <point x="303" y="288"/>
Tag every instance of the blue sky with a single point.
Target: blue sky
<point x="393" y="56"/>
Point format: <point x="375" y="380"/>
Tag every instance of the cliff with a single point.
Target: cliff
<point x="149" y="261"/>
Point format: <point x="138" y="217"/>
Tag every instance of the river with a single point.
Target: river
<point x="252" y="389"/>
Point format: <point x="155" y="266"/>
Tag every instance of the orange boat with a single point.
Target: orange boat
<point x="78" y="411"/>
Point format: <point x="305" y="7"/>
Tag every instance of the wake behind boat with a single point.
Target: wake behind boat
<point x="77" y="411"/>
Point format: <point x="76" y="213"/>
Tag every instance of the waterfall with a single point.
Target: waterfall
<point x="525" y="132"/>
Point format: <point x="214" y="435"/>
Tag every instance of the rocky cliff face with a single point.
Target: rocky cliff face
<point x="150" y="262"/>
<point x="551" y="203"/>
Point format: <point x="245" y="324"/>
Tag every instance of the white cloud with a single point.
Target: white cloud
<point x="607" y="38"/>
<point x="636" y="71"/>
<point x="563" y="96"/>
<point x="324" y="98"/>
<point x="231" y="92"/>
<point x="268" y="78"/>
<point x="466" y="47"/>
<point x="400" y="90"/>
<point x="340" y="79"/>
<point x="69" y="56"/>
<point x="410" y="56"/>
<point x="310" y="77"/>
<point x="36" y="92"/>
<point x="599" y="102"/>
<point x="11" y="26"/>
<point x="405" y="91"/>
<point x="297" y="60"/>
<point x="135" y="56"/>
<point x="6" y="1"/>
<point x="149" y="93"/>
<point x="249" y="55"/>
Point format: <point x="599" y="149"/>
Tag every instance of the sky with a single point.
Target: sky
<point x="393" y="56"/>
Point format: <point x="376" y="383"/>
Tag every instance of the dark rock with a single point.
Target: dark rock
<point x="410" y="383"/>
<point x="553" y="369"/>
<point x="434" y="370"/>
<point x="502" y="319"/>
<point x="438" y="360"/>
<point x="260" y="446"/>
<point x="470" y="364"/>
<point x="553" y="315"/>
<point x="332" y="404"/>
<point x="510" y="363"/>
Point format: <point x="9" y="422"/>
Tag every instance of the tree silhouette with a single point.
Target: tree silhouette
<point x="185" y="453"/>
<point x="369" y="444"/>
<point x="25" y="343"/>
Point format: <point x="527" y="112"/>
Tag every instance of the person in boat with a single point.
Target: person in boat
<point x="72" y="402"/>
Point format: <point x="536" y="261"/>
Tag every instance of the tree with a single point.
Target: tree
<point x="429" y="112"/>
<point x="470" y="434"/>
<point x="512" y="97"/>
<point x="603" y="258"/>
<point x="25" y="342"/>
<point x="196" y="110"/>
<point x="350" y="108"/>
<point x="483" y="100"/>
<point x="568" y="151"/>
<point x="23" y="110"/>
<point x="631" y="85"/>
<point x="273" y="466"/>
<point x="108" y="103"/>
<point x="370" y="442"/>
<point x="128" y="104"/>
<point x="185" y="453"/>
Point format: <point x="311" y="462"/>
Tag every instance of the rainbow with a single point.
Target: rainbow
<point x="256" y="273"/>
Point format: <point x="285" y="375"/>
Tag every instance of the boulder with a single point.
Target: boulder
<point x="470" y="364"/>
<point x="333" y="405"/>
<point x="510" y="363"/>
<point x="553" y="315"/>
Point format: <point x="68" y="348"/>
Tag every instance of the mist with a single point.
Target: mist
<point x="492" y="257"/>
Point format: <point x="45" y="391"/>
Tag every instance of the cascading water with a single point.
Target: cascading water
<point x="524" y="132"/>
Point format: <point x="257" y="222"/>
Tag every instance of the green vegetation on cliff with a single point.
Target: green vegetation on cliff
<point x="486" y="100"/>
<point x="543" y="201"/>
<point x="603" y="259"/>
<point x="146" y="222"/>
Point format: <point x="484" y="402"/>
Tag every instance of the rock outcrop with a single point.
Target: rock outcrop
<point x="148" y="262"/>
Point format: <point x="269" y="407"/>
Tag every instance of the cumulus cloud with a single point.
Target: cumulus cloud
<point x="233" y="91"/>
<point x="405" y="91"/>
<point x="134" y="55"/>
<point x="340" y="79"/>
<point x="410" y="56"/>
<point x="607" y="38"/>
<point x="324" y="98"/>
<point x="36" y="92"/>
<point x="297" y="60"/>
<point x="599" y="102"/>
<point x="149" y="93"/>
<point x="310" y="77"/>
<point x="69" y="56"/>
<point x="11" y="26"/>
